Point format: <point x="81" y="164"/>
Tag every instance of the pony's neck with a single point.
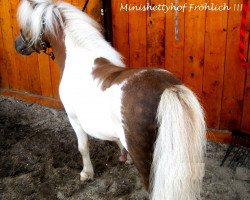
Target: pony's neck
<point x="80" y="42"/>
<point x="64" y="47"/>
<point x="59" y="49"/>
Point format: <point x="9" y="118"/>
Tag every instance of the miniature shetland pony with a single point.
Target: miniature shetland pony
<point x="147" y="111"/>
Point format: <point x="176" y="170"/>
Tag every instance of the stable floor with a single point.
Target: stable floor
<point x="39" y="160"/>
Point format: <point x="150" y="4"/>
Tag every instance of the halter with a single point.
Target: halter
<point x="28" y="43"/>
<point x="42" y="44"/>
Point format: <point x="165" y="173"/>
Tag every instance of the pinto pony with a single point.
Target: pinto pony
<point x="147" y="111"/>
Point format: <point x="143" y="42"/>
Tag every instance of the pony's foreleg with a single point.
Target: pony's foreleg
<point x="124" y="157"/>
<point x="87" y="173"/>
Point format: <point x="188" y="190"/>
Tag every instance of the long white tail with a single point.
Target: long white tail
<point x="178" y="160"/>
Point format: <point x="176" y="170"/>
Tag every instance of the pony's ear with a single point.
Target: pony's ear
<point x="33" y="3"/>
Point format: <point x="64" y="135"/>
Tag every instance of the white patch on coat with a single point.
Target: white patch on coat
<point x="99" y="112"/>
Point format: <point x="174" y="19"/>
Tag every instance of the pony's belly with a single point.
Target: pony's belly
<point x="97" y="124"/>
<point x="97" y="112"/>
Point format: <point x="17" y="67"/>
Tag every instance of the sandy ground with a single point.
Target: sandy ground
<point x="39" y="160"/>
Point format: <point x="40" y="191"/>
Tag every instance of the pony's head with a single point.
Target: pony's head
<point x="45" y="23"/>
<point x="40" y="20"/>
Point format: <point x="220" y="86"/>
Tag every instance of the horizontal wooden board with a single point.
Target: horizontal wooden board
<point x="219" y="136"/>
<point x="29" y="97"/>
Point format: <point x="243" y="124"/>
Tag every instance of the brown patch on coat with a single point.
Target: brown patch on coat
<point x="141" y="96"/>
<point x="140" y="101"/>
<point x="109" y="74"/>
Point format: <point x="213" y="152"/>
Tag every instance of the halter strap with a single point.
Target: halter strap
<point x="85" y="5"/>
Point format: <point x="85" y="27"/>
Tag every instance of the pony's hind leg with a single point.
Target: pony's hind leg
<point x="124" y="157"/>
<point x="87" y="173"/>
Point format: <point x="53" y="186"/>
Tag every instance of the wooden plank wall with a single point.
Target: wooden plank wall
<point x="34" y="78"/>
<point x="205" y="57"/>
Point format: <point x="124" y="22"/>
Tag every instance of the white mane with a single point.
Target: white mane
<point x="36" y="16"/>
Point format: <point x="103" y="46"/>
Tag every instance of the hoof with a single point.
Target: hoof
<point x="129" y="160"/>
<point x="86" y="176"/>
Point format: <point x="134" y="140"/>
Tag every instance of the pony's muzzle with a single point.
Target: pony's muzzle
<point x="22" y="47"/>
